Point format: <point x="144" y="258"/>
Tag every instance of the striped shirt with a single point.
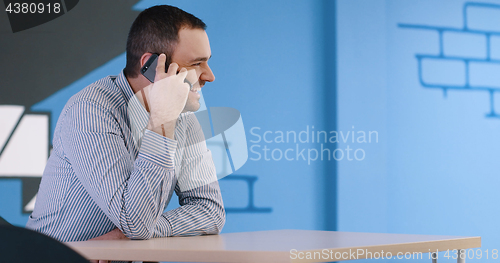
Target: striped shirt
<point x="107" y="171"/>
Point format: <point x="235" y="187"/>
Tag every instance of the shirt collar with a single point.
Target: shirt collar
<point x="122" y="82"/>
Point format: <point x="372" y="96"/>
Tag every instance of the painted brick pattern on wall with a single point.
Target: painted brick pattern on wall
<point x="469" y="56"/>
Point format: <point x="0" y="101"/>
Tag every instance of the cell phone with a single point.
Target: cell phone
<point x="149" y="69"/>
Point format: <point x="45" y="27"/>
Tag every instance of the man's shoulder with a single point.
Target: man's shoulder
<point x="104" y="93"/>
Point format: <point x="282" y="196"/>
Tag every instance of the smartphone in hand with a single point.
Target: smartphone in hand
<point x="149" y="68"/>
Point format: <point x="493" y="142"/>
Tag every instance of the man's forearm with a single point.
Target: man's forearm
<point x="201" y="212"/>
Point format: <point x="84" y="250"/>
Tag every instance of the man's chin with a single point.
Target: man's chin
<point x="191" y="108"/>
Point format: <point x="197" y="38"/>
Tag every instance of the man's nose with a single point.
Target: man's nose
<point x="207" y="74"/>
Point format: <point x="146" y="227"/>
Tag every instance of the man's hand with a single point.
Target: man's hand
<point x="166" y="97"/>
<point x="111" y="235"/>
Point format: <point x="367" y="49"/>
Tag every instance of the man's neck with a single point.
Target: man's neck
<point x="138" y="84"/>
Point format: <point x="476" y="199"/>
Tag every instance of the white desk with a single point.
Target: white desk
<point x="272" y="246"/>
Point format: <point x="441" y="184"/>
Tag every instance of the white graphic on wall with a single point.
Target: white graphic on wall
<point x="24" y="148"/>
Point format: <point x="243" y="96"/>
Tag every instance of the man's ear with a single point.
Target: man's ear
<point x="144" y="58"/>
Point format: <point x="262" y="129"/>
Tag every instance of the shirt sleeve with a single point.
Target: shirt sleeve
<point x="131" y="192"/>
<point x="202" y="210"/>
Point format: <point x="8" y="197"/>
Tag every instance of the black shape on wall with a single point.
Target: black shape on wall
<point x="24" y="15"/>
<point x="30" y="188"/>
<point x="37" y="62"/>
<point x="70" y="4"/>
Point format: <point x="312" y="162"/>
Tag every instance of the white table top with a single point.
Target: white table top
<point x="269" y="246"/>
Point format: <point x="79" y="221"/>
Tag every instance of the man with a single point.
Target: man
<point x="114" y="167"/>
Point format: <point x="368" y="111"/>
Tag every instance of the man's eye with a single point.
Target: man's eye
<point x="197" y="64"/>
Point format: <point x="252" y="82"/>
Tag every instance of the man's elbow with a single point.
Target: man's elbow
<point x="139" y="233"/>
<point x="220" y="220"/>
<point x="139" y="236"/>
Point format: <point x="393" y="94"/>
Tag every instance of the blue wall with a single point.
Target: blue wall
<point x="268" y="63"/>
<point x="435" y="167"/>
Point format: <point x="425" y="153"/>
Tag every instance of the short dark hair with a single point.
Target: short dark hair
<point x="156" y="30"/>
